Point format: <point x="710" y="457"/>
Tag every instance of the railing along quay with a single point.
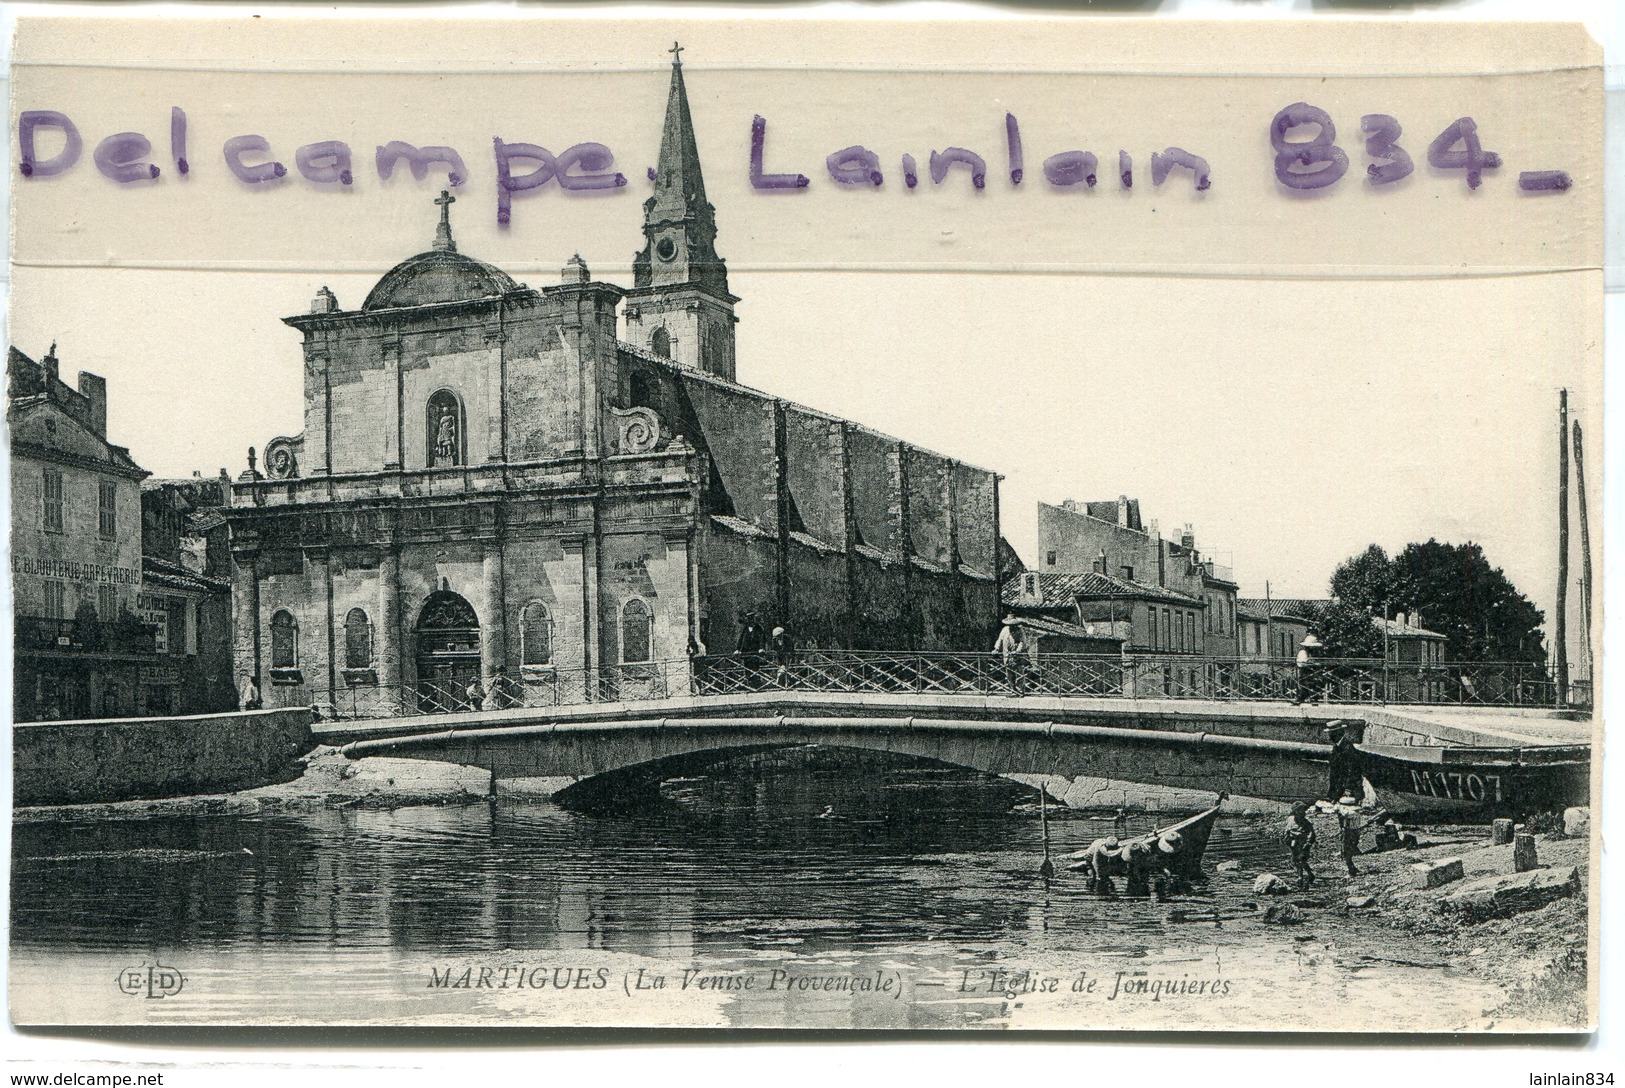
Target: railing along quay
<point x="1129" y="676"/>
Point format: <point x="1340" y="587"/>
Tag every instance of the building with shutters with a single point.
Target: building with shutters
<point x="102" y="630"/>
<point x="564" y="492"/>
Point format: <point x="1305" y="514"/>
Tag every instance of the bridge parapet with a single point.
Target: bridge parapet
<point x="1253" y="720"/>
<point x="1154" y="678"/>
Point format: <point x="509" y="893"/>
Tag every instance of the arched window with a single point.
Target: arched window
<point x="444" y="430"/>
<point x="357" y="640"/>
<point x="636" y="624"/>
<point x="536" y="635"/>
<point x="284" y="641"/>
<point x="660" y="343"/>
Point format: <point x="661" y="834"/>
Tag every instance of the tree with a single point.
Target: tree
<point x="1363" y="581"/>
<point x="1453" y="589"/>
<point x="1347" y="631"/>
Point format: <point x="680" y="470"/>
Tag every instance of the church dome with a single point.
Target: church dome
<point x="440" y="275"/>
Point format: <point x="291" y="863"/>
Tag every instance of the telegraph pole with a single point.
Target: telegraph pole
<point x="1562" y="547"/>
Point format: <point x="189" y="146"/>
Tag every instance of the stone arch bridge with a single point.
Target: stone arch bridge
<point x="623" y="750"/>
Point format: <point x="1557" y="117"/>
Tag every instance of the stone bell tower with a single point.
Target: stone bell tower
<point x="679" y="307"/>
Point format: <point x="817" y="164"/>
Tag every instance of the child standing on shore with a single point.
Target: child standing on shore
<point x="1300" y="839"/>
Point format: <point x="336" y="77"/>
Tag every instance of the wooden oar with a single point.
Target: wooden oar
<point x="1046" y="869"/>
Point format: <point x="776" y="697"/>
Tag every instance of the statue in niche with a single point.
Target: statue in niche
<point x="445" y="443"/>
<point x="445" y="438"/>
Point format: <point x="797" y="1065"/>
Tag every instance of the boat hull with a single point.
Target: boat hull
<point x="1477" y="781"/>
<point x="1194" y="832"/>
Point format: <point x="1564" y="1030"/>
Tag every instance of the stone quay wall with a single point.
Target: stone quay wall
<point x="65" y="763"/>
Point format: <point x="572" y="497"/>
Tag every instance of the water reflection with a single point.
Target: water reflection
<point x="799" y="860"/>
<point x="739" y="859"/>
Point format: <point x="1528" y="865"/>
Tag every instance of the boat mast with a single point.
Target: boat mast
<point x="1585" y="555"/>
<point x="1562" y="690"/>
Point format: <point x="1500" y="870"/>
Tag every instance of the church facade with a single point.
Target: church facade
<point x="564" y="492"/>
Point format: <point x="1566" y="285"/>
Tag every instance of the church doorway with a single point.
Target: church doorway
<point x="448" y="659"/>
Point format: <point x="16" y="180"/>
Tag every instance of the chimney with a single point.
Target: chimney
<point x="50" y="365"/>
<point x="1153" y="530"/>
<point x="93" y="387"/>
<point x="1032" y="590"/>
<point x="1069" y="505"/>
<point x="1122" y="510"/>
<point x="1187" y="538"/>
<point x="1416" y="618"/>
<point x="324" y="302"/>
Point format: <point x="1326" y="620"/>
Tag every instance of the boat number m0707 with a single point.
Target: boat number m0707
<point x="1457" y="785"/>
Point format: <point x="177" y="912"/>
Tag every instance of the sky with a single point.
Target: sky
<point x="1294" y="376"/>
<point x="1285" y="452"/>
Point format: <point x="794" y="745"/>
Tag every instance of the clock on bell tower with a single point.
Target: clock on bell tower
<point x="679" y="307"/>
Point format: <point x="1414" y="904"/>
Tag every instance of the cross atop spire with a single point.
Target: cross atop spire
<point x="442" y="234"/>
<point x="679" y="224"/>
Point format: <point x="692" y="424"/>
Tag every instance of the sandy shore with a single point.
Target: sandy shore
<point x="1538" y="957"/>
<point x="326" y="780"/>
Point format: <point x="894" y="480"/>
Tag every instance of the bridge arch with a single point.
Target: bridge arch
<point x="637" y="782"/>
<point x="1242" y="766"/>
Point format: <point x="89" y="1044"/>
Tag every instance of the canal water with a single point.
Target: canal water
<point x="789" y="891"/>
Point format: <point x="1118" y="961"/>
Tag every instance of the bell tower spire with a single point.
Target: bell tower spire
<point x="680" y="307"/>
<point x="679" y="224"/>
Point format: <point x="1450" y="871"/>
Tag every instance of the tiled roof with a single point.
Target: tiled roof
<point x="1302" y="609"/>
<point x="1060" y="588"/>
<point x="810" y="541"/>
<point x="205" y="520"/>
<point x="740" y="526"/>
<point x="1395" y="629"/>
<point x="1045" y="626"/>
<point x="1310" y="609"/>
<point x="160" y="573"/>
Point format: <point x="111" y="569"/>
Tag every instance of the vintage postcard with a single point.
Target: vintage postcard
<point x="998" y="523"/>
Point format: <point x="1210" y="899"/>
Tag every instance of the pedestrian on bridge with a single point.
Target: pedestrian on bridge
<point x="751" y="649"/>
<point x="1308" y="672"/>
<point x="1008" y="647"/>
<point x="784" y="654"/>
<point x="698" y="666"/>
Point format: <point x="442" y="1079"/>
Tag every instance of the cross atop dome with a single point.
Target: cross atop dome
<point x="676" y="57"/>
<point x="442" y="233"/>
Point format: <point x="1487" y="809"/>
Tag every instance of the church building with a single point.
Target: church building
<point x="566" y="488"/>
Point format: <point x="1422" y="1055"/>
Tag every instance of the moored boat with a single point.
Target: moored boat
<point x="1487" y="781"/>
<point x="1178" y="847"/>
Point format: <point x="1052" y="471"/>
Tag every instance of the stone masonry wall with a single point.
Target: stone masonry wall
<point x="63" y="763"/>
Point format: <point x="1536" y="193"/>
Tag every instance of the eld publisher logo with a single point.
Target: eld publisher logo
<point x="151" y="982"/>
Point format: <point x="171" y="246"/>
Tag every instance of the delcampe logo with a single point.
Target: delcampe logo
<point x="152" y="982"/>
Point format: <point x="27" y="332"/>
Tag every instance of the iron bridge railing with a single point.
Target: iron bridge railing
<point x="1131" y="676"/>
